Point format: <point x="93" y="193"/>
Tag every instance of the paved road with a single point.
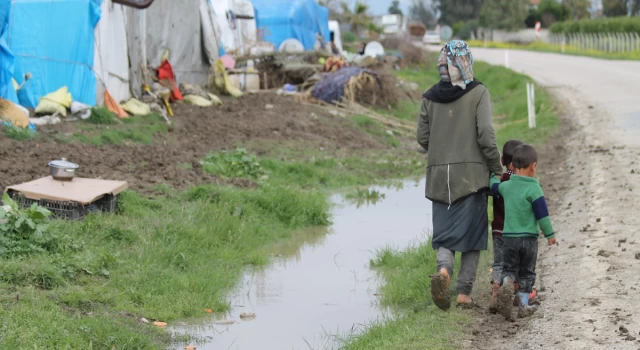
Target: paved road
<point x="614" y="86"/>
<point x="592" y="279"/>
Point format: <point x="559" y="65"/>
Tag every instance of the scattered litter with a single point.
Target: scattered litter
<point x="215" y="99"/>
<point x="208" y="311"/>
<point x="390" y="132"/>
<point x="198" y="101"/>
<point x="166" y="76"/>
<point x="160" y="324"/>
<point x="48" y="120"/>
<point x="268" y="106"/>
<point x="190" y="347"/>
<point x="288" y="89"/>
<point x="113" y="106"/>
<point x="222" y="82"/>
<point x="81" y="110"/>
<point x="247" y="315"/>
<point x="144" y="320"/>
<point x="136" y="107"/>
<point x="224" y="322"/>
<point x="55" y="102"/>
<point x="228" y="61"/>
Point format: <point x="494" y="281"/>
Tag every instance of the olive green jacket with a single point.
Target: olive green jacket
<point x="461" y="145"/>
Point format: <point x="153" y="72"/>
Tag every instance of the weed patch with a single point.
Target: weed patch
<point x="234" y="164"/>
<point x="16" y="133"/>
<point x="101" y="116"/>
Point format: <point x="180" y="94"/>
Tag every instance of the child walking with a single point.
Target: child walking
<point x="497" y="225"/>
<point x="526" y="213"/>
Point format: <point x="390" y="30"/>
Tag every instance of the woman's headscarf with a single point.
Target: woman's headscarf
<point x="455" y="63"/>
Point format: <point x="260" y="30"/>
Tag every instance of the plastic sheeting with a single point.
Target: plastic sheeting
<point x="54" y="41"/>
<point x="6" y="56"/>
<point x="111" y="60"/>
<point x="331" y="88"/>
<point x="173" y="25"/>
<point x="292" y="19"/>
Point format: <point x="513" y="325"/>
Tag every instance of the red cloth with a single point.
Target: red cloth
<point x="165" y="71"/>
<point x="497" y="225"/>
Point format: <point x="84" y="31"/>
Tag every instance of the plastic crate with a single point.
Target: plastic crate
<point x="69" y="210"/>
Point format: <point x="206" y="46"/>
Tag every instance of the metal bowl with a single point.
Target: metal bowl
<point x="62" y="170"/>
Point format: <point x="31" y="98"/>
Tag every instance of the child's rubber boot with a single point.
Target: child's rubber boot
<point x="493" y="306"/>
<point x="440" y="289"/>
<point x="505" y="298"/>
<point x="524" y="309"/>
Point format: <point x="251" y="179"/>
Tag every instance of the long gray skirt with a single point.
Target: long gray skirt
<point x="463" y="226"/>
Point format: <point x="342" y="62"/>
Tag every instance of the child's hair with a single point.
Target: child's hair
<point x="508" y="149"/>
<point x="524" y="156"/>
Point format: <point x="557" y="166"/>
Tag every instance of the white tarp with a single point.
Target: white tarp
<point x="111" y="61"/>
<point x="180" y="26"/>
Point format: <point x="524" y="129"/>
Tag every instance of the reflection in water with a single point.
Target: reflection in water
<point x="319" y="282"/>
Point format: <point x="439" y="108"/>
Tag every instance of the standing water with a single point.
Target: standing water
<point x="320" y="284"/>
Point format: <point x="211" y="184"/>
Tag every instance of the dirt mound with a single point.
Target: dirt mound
<point x="173" y="158"/>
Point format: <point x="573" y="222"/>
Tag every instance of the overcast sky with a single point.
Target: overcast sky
<point x="380" y="7"/>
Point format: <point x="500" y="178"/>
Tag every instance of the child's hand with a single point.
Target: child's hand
<point x="552" y="241"/>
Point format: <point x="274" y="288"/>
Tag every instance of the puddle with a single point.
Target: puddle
<point x="630" y="126"/>
<point x="319" y="283"/>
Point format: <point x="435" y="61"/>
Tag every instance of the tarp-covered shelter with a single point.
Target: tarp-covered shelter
<point x="111" y="57"/>
<point x="53" y="40"/>
<point x="6" y="56"/>
<point x="188" y="28"/>
<point x="292" y="19"/>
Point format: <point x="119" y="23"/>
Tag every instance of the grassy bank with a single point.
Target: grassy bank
<point x="568" y="50"/>
<point x="174" y="255"/>
<point x="419" y="324"/>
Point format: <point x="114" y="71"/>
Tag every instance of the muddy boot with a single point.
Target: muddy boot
<point x="493" y="306"/>
<point x="505" y="298"/>
<point x="440" y="290"/>
<point x="526" y="311"/>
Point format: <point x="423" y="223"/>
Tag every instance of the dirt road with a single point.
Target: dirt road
<point x="591" y="175"/>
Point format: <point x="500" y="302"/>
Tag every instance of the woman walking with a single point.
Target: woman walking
<point x="455" y="129"/>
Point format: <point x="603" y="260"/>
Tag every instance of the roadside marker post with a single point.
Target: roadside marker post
<point x="531" y="103"/>
<point x="506" y="58"/>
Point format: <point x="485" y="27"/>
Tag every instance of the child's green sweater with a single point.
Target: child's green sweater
<point x="525" y="207"/>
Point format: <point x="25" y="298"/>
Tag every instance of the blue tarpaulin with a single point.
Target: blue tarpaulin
<point x="53" y="40"/>
<point x="6" y="56"/>
<point x="292" y="19"/>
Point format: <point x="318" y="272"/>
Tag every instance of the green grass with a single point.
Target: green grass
<point x="417" y="323"/>
<point x="140" y="129"/>
<point x="16" y="133"/>
<point x="376" y="129"/>
<point x="569" y="50"/>
<point x="508" y="97"/>
<point x="171" y="256"/>
<point x="161" y="258"/>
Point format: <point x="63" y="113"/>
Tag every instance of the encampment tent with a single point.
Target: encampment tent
<point x="187" y="28"/>
<point x="111" y="58"/>
<point x="6" y="56"/>
<point x="292" y="19"/>
<point x="54" y="41"/>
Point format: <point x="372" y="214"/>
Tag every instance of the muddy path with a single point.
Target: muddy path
<point x="589" y="284"/>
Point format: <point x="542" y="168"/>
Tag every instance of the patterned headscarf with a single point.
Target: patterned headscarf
<point x="455" y="63"/>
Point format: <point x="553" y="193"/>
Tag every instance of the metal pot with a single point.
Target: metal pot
<point x="62" y="170"/>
